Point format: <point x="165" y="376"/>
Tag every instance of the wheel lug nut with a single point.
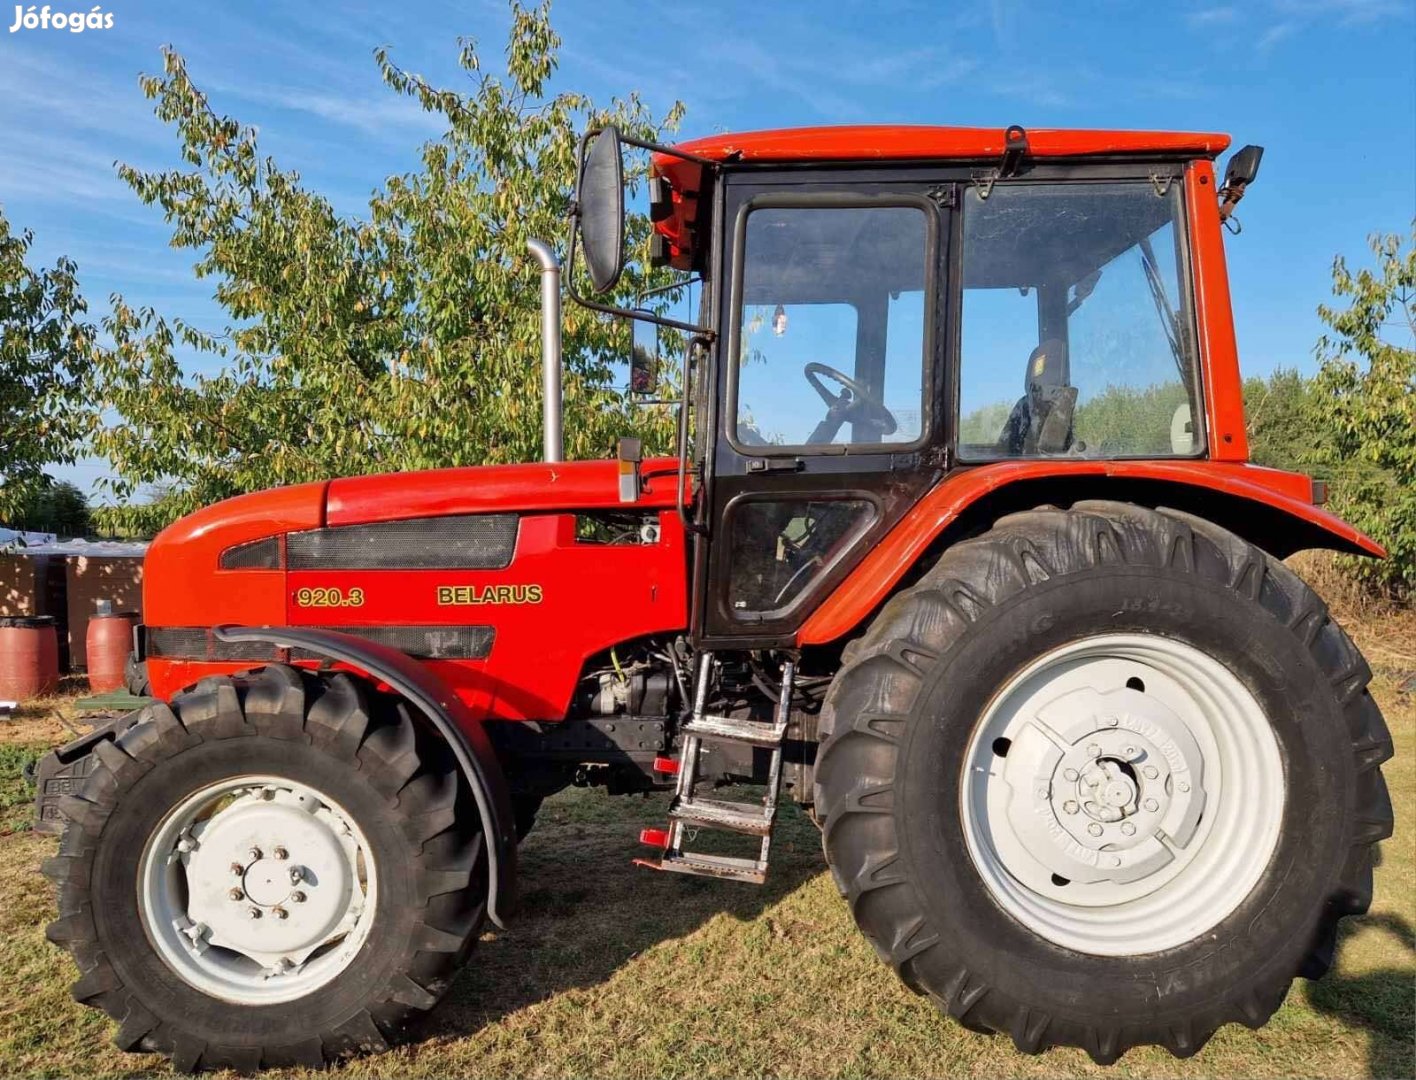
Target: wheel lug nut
<point x="281" y="853"/>
<point x="1094" y="829"/>
<point x="237" y="869"/>
<point x="296" y="875"/>
<point x="280" y="913"/>
<point x="1128" y="828"/>
<point x="1150" y="772"/>
<point x="254" y="854"/>
<point x="236" y="894"/>
<point x="1070" y="806"/>
<point x="1069" y="774"/>
<point x="253" y="913"/>
<point x="1094" y="750"/>
<point x="297" y="897"/>
<point x="1184" y="787"/>
<point x="1151" y="804"/>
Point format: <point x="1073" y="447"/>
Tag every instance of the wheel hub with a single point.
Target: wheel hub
<point x="1122" y="793"/>
<point x="263" y="886"/>
<point x="1095" y="780"/>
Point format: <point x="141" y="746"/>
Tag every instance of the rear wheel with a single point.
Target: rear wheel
<point x="280" y="869"/>
<point x="1104" y="777"/>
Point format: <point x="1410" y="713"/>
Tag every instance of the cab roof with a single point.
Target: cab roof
<point x="878" y="142"/>
<point x="886" y="142"/>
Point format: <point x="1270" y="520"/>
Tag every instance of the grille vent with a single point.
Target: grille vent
<point x="469" y="542"/>
<point x="256" y="555"/>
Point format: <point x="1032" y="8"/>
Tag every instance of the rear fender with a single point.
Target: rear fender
<point x="1267" y="507"/>
<point x="469" y="741"/>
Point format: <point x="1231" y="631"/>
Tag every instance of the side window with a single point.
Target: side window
<point x="1121" y="349"/>
<point x="830" y="332"/>
<point x="775" y="404"/>
<point x="804" y="538"/>
<point x="1075" y="335"/>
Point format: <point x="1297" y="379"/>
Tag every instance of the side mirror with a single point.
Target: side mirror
<point x="599" y="200"/>
<point x="1243" y="167"/>
<point x="644" y="358"/>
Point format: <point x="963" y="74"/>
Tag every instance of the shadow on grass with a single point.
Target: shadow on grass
<point x="1380" y="1004"/>
<point x="586" y="909"/>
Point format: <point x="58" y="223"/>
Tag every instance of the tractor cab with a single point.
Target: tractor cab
<point x="883" y="306"/>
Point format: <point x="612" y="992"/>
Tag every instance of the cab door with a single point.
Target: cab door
<point x="828" y="418"/>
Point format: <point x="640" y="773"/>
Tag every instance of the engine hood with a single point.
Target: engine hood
<point x="533" y="487"/>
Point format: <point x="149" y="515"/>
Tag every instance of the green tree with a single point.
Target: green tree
<point x="54" y="507"/>
<point x="403" y="339"/>
<point x="1365" y="401"/>
<point x="1284" y="429"/>
<point x="44" y="348"/>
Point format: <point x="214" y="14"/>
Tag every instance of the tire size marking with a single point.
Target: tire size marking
<point x="333" y="597"/>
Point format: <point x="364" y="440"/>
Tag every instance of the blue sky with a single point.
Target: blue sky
<point x="1328" y="86"/>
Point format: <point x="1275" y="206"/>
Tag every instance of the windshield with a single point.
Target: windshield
<point x="1076" y="323"/>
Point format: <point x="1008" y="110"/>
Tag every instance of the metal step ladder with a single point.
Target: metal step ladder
<point x="690" y="812"/>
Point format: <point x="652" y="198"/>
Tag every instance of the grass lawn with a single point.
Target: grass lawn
<point x="612" y="970"/>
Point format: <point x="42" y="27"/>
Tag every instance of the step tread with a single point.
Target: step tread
<point x="751" y="818"/>
<point x="725" y="727"/>
<point x="719" y="866"/>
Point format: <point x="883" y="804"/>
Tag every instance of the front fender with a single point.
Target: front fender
<point x="471" y="746"/>
<point x="1248" y="499"/>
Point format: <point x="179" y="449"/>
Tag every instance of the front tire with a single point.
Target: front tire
<point x="176" y="875"/>
<point x="996" y="874"/>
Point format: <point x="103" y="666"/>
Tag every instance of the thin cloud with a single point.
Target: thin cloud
<point x="1275" y="34"/>
<point x="1211" y="17"/>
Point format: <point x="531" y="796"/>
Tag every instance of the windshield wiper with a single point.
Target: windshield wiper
<point x="1170" y="322"/>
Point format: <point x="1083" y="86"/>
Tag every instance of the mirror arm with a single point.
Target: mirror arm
<point x="628" y="313"/>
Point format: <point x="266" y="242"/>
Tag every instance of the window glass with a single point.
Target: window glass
<point x="781" y="546"/>
<point x="1075" y="336"/>
<point x="831" y="331"/>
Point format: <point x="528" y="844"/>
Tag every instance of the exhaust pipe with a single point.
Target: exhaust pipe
<point x="553" y="441"/>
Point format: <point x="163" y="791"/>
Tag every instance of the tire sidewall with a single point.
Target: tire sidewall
<point x="1269" y="930"/>
<point x="115" y="888"/>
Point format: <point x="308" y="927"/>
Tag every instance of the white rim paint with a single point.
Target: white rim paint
<point x="1122" y="794"/>
<point x="257" y="890"/>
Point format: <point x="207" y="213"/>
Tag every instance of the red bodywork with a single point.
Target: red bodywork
<point x="595" y="596"/>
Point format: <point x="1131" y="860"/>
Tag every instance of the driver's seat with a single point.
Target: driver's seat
<point x="1041" y="421"/>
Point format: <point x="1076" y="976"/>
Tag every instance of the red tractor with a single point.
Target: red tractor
<point x="1092" y="766"/>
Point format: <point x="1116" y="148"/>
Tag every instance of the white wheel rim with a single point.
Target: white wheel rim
<point x="1122" y="819"/>
<point x="257" y="890"/>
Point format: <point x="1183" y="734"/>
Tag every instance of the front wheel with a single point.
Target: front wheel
<point x="1105" y="777"/>
<point x="279" y="869"/>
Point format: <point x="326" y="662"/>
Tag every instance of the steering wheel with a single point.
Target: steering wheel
<point x="855" y="404"/>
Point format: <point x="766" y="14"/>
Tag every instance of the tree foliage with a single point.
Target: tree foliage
<point x="54" y="506"/>
<point x="1364" y="400"/>
<point x="404" y="338"/>
<point x="44" y="349"/>
<point x="1282" y="423"/>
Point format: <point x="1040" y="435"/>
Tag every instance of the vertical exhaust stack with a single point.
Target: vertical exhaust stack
<point x="553" y="436"/>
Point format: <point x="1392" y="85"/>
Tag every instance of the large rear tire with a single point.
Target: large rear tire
<point x="279" y="869"/>
<point x="1104" y="777"/>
